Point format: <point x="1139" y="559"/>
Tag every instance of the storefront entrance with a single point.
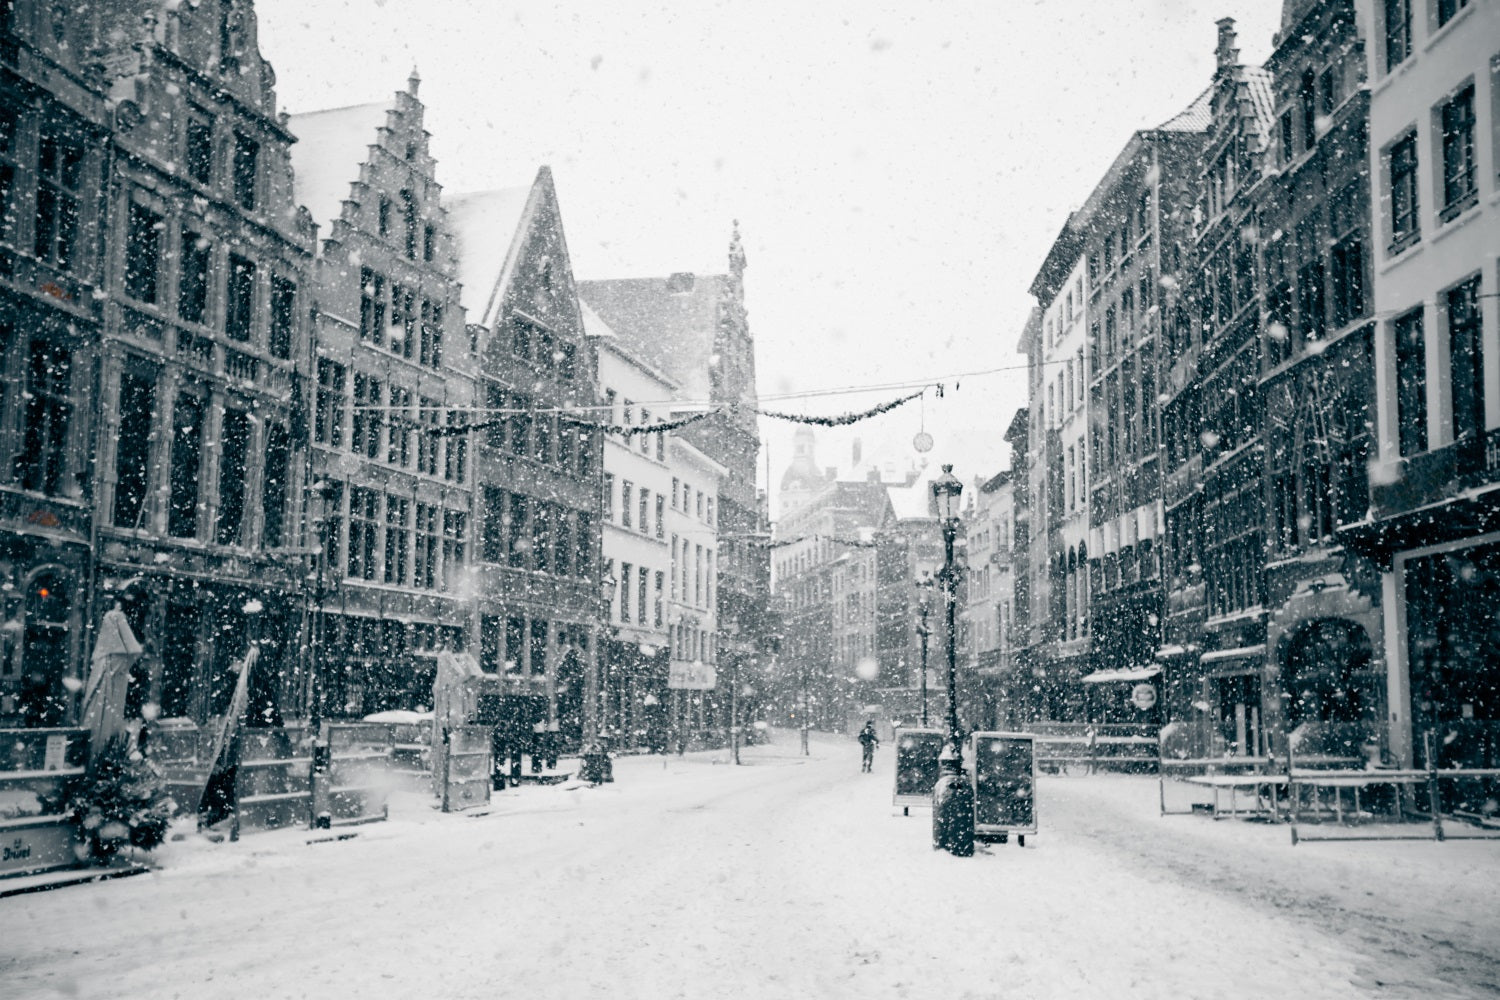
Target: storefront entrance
<point x="41" y="699"/>
<point x="1327" y="674"/>
<point x="1453" y="653"/>
<point x="1239" y="713"/>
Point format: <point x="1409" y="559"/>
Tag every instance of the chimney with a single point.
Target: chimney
<point x="872" y="475"/>
<point x="856" y="453"/>
<point x="1227" y="54"/>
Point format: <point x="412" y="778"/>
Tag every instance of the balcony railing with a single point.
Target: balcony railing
<point x="1436" y="475"/>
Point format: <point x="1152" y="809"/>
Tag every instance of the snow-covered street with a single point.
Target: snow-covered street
<point x="788" y="876"/>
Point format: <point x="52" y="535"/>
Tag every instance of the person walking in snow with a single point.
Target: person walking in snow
<point x="868" y="741"/>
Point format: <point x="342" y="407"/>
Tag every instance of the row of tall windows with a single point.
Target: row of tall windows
<point x="388" y="424"/>
<point x="530" y="533"/>
<point x="396" y="540"/>
<point x="692" y="579"/>
<point x="518" y="645"/>
<point x="186" y="500"/>
<point x="691" y="643"/>
<point x="535" y="343"/>
<point x="1458" y="186"/>
<point x="417" y="236"/>
<point x="144" y="281"/>
<point x="398" y="318"/>
<point x="1458" y="309"/>
<point x="692" y="502"/>
<point x="639" y="601"/>
<point x="547" y="437"/>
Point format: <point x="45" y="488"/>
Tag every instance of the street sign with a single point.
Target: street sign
<point x="917" y="765"/>
<point x="1143" y="696"/>
<point x="1004" y="784"/>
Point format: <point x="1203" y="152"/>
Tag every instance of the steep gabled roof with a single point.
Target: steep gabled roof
<point x="487" y="227"/>
<point x="1196" y="117"/>
<point x="1261" y="84"/>
<point x="912" y="502"/>
<point x="330" y="148"/>
<point x="670" y="323"/>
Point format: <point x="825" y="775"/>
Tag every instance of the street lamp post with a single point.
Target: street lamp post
<point x="952" y="796"/>
<point x="924" y="607"/>
<point x="596" y="763"/>
<point x="806" y="720"/>
<point x="734" y="695"/>
<point x="321" y="754"/>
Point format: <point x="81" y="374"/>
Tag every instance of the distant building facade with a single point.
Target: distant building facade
<point x="1322" y="664"/>
<point x="695" y="329"/>
<point x="989" y="588"/>
<point x="692" y="588"/>
<point x="638" y="482"/>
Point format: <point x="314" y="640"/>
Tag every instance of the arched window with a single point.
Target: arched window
<point x="1321" y="674"/>
<point x="42" y="699"/>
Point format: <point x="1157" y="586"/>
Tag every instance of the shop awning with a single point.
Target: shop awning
<point x="1233" y="662"/>
<point x="1255" y="652"/>
<point x="1128" y="674"/>
<point x="1167" y="652"/>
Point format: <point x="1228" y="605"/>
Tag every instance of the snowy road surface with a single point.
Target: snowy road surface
<point x="787" y="877"/>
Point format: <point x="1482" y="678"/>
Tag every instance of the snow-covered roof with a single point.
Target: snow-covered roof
<point x="1196" y="117"/>
<point x="1260" y="83"/>
<point x="912" y="502"/>
<point x="1256" y="651"/>
<point x="593" y="323"/>
<point x="331" y="145"/>
<point x="1128" y="674"/>
<point x="670" y="323"/>
<point x="486" y="229"/>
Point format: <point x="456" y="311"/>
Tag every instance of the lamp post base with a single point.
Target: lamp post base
<point x="953" y="812"/>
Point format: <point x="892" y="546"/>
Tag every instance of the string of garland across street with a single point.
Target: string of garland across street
<point x="500" y="417"/>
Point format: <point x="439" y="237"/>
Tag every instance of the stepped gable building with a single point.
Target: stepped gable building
<point x="54" y="123"/>
<point x="1214" y="465"/>
<point x="1434" y="521"/>
<point x="538" y="474"/>
<point x="695" y="329"/>
<point x="391" y="361"/>
<point x="199" y="441"/>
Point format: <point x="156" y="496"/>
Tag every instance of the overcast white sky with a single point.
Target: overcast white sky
<point x="899" y="170"/>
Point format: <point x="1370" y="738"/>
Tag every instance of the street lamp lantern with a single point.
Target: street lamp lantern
<point x="952" y="796"/>
<point x="945" y="492"/>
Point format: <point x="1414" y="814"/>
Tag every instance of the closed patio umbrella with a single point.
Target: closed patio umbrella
<point x="115" y="651"/>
